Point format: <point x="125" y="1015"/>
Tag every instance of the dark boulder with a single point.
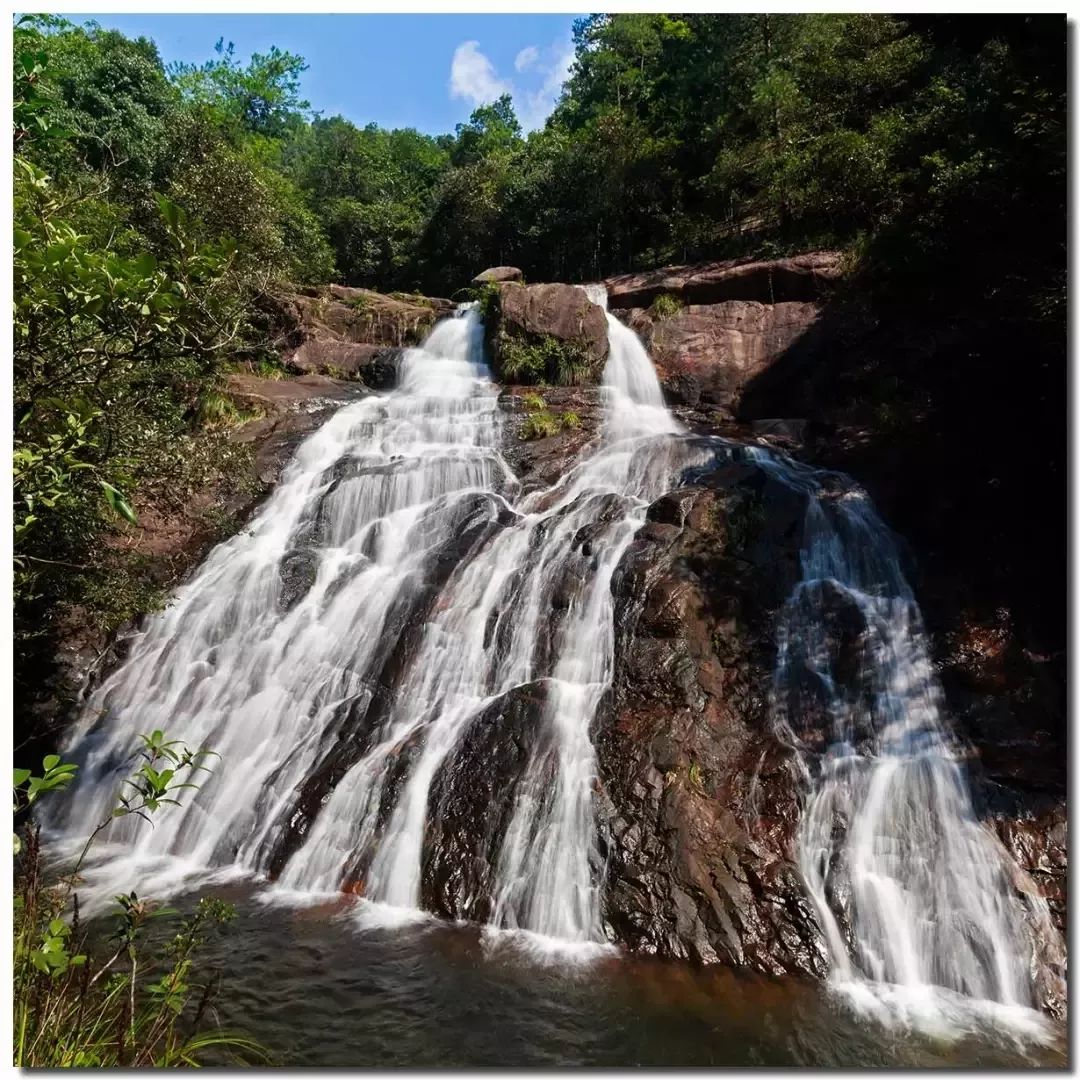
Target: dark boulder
<point x="472" y="800"/>
<point x="699" y="800"/>
<point x="297" y="571"/>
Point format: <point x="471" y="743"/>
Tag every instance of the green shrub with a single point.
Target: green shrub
<point x="533" y="402"/>
<point x="665" y="306"/>
<point x="138" y="1007"/>
<point x="540" y="360"/>
<point x="571" y="420"/>
<point x="487" y="299"/>
<point x="269" y="369"/>
<point x="540" y="425"/>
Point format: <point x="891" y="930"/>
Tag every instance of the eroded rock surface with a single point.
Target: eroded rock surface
<point x="713" y="327"/>
<point x="801" y="278"/>
<point x="708" y="352"/>
<point x="352" y="333"/>
<point x="699" y="802"/>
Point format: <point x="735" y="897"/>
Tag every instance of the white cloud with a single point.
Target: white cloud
<point x="473" y="77"/>
<point x="541" y="74"/>
<point x="538" y="104"/>
<point x="526" y="58"/>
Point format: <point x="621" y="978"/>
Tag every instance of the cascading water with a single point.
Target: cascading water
<point x="914" y="894"/>
<point x="397" y="586"/>
<point x="274" y="677"/>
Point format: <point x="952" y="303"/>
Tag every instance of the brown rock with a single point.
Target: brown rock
<point x="498" y="273"/>
<point x="713" y="350"/>
<point x="354" y="333"/>
<point x="699" y="801"/>
<point x="804" y="278"/>
<point x="540" y="463"/>
<point x="559" y="320"/>
<point x="281" y="395"/>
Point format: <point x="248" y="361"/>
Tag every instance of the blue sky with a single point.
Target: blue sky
<point x="422" y="71"/>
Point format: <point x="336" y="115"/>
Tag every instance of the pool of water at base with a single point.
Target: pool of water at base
<point x="318" y="985"/>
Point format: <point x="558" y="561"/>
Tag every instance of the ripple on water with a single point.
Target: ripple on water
<point x="321" y="985"/>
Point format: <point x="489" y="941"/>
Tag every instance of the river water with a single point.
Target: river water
<point x="317" y="987"/>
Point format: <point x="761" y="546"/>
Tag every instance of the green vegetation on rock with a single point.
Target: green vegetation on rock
<point x="541" y="359"/>
<point x="541" y="422"/>
<point x="665" y="306"/>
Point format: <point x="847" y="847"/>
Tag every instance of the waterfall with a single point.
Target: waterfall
<point x="392" y="588"/>
<point x="915" y="896"/>
<point x="398" y="592"/>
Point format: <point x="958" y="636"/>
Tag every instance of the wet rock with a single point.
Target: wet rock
<point x="699" y="801"/>
<point x="681" y="388"/>
<point x="540" y="463"/>
<point x="785" y="431"/>
<point x="298" y="571"/>
<point x="472" y="800"/>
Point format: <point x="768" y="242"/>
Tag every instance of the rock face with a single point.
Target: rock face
<point x="901" y="400"/>
<point x="472" y="803"/>
<point x="539" y="461"/>
<point x="546" y="333"/>
<point x="498" y="273"/>
<point x="699" y="802"/>
<point x="712" y="328"/>
<point x="708" y="352"/>
<point x="698" y="797"/>
<point x="352" y="333"/>
<point x="801" y="278"/>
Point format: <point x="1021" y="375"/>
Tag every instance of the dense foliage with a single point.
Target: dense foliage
<point x="154" y="207"/>
<point x="149" y="217"/>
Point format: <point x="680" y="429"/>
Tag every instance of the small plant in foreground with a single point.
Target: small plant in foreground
<point x="72" y="1009"/>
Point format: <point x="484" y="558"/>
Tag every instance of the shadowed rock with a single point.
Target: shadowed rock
<point x="472" y="802"/>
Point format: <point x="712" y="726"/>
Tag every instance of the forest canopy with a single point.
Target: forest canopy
<point x="155" y="205"/>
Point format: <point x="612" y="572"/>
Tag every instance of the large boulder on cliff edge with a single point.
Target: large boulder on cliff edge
<point x="545" y="333"/>
<point x="497" y="273"/>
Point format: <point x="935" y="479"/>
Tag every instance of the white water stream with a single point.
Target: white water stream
<point x="915" y="895"/>
<point x="265" y="678"/>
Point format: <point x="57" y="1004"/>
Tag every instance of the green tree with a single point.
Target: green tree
<point x="492" y="130"/>
<point x="262" y="98"/>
